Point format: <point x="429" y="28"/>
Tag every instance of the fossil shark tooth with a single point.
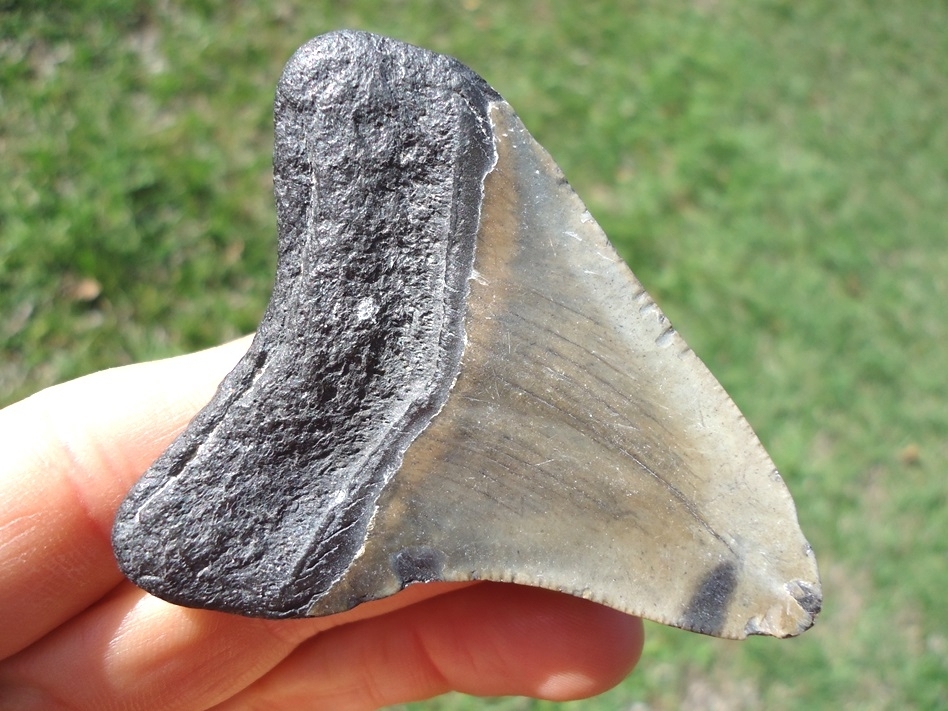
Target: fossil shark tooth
<point x="457" y="378"/>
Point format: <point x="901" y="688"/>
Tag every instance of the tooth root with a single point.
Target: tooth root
<point x="535" y="418"/>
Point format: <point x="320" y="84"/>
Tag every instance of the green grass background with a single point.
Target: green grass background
<point x="775" y="172"/>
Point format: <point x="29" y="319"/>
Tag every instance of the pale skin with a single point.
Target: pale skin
<point x="74" y="634"/>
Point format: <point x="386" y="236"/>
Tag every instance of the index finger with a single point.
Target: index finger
<point x="70" y="453"/>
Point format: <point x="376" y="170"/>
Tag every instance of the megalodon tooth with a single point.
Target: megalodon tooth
<point x="457" y="378"/>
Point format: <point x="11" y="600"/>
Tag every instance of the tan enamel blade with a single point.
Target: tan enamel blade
<point x="584" y="447"/>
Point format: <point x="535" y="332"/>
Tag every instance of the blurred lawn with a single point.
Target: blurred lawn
<point x="776" y="173"/>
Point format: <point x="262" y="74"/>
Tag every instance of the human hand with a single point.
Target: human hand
<point x="75" y="634"/>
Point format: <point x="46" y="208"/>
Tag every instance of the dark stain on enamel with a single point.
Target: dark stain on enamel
<point x="707" y="609"/>
<point x="419" y="564"/>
